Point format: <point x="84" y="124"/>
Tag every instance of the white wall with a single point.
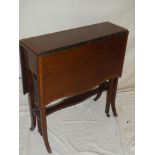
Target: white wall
<point x="45" y="16"/>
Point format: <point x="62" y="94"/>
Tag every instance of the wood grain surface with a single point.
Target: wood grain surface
<point x="53" y="42"/>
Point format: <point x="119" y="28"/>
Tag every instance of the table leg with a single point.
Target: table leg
<point x="115" y="82"/>
<point x="35" y="88"/>
<point x="44" y="130"/>
<point x="39" y="126"/>
<point x="31" y="102"/>
<point x="108" y="99"/>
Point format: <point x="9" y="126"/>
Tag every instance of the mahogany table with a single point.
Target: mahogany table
<point x="76" y="64"/>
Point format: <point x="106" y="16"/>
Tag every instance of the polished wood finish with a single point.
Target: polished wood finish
<point x="77" y="99"/>
<point x="81" y="65"/>
<point x="71" y="64"/>
<point x="51" y="43"/>
<point x="24" y="69"/>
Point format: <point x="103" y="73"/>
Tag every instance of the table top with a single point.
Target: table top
<point x="53" y="42"/>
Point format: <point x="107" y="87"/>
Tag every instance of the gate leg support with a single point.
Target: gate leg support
<point x="102" y="87"/>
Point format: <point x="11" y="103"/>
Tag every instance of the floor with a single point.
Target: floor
<point x="83" y="129"/>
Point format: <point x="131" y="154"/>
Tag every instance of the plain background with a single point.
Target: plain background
<point x="41" y="17"/>
<point x="144" y="69"/>
<point x="80" y="126"/>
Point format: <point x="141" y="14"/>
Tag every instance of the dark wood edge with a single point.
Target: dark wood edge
<point x="73" y="45"/>
<point x="24" y="69"/>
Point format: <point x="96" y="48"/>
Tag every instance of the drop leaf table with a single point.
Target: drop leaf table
<point x="72" y="64"/>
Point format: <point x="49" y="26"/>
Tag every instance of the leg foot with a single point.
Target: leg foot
<point x="32" y="128"/>
<point x="108" y="115"/>
<point x="115" y="114"/>
<point x="44" y="130"/>
<point x="97" y="96"/>
<point x="48" y="148"/>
